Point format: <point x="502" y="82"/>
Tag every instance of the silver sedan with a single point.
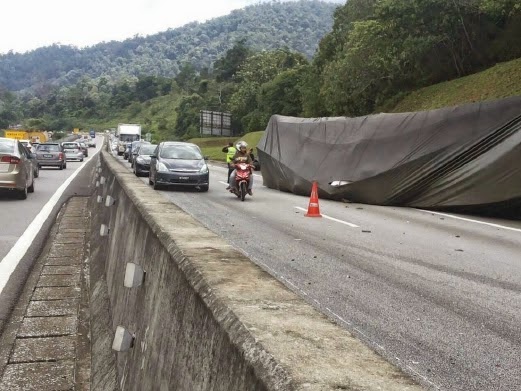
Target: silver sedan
<point x="73" y="151"/>
<point x="16" y="168"/>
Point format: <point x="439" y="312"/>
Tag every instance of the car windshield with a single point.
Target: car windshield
<point x="48" y="148"/>
<point x="184" y="152"/>
<point x="70" y="145"/>
<point x="129" y="137"/>
<point x="6" y="146"/>
<point x="147" y="149"/>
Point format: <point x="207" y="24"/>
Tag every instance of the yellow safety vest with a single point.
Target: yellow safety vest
<point x="230" y="154"/>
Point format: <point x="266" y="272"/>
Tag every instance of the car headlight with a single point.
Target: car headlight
<point x="161" y="167"/>
<point x="139" y="159"/>
<point x="204" y="170"/>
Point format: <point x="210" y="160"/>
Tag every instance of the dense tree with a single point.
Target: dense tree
<point x="228" y="65"/>
<point x="379" y="49"/>
<point x="9" y="111"/>
<point x="282" y="95"/>
<point x="121" y="95"/>
<point x="187" y="78"/>
<point x="188" y="111"/>
<point x="258" y="69"/>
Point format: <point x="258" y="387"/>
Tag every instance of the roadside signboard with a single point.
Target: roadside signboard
<point x="16" y="134"/>
<point x="215" y="123"/>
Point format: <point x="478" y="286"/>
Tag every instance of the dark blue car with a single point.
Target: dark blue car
<point x="179" y="164"/>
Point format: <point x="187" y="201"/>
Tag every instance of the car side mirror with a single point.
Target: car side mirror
<point x="206" y="158"/>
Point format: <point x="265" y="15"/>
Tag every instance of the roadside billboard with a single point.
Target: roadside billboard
<point x="215" y="123"/>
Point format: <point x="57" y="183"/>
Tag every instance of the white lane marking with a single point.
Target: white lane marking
<point x="331" y="218"/>
<point x="224" y="183"/>
<point x="338" y="317"/>
<point x="472" y="221"/>
<point x="17" y="252"/>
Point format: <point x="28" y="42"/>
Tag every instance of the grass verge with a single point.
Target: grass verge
<point x="501" y="81"/>
<point x="212" y="146"/>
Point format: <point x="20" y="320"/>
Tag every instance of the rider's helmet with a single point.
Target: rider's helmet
<point x="242" y="145"/>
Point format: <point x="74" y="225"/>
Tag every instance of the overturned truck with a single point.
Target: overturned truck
<point x="465" y="158"/>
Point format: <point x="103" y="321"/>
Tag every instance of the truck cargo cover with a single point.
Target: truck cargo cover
<point x="465" y="158"/>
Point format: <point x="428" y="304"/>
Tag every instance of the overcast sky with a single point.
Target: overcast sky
<point x="29" y="24"/>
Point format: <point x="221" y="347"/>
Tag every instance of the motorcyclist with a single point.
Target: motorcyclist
<point x="230" y="151"/>
<point x="241" y="156"/>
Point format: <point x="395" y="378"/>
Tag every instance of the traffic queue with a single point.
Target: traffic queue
<point x="22" y="159"/>
<point x="182" y="164"/>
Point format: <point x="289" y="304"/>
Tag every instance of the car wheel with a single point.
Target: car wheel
<point x="204" y="188"/>
<point x="30" y="189"/>
<point x="61" y="167"/>
<point x="81" y="160"/>
<point x="22" y="194"/>
<point x="65" y="166"/>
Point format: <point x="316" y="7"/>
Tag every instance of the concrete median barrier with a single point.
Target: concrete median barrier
<point x="203" y="316"/>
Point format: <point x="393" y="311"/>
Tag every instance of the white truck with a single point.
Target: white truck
<point x="126" y="133"/>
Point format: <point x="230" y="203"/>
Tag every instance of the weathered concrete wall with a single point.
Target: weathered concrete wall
<point x="207" y="318"/>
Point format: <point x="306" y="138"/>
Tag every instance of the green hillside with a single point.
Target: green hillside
<point x="297" y="25"/>
<point x="500" y="81"/>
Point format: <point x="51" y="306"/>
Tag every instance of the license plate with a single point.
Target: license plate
<point x="69" y="150"/>
<point x="47" y="156"/>
<point x="184" y="178"/>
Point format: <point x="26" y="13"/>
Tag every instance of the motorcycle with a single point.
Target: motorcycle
<point x="242" y="179"/>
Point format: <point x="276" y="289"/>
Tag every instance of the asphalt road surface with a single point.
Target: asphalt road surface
<point x="439" y="295"/>
<point x="17" y="216"/>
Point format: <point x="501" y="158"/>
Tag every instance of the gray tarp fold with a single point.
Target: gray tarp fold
<point x="464" y="158"/>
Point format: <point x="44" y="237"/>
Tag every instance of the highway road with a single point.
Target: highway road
<point x="437" y="294"/>
<point x="33" y="218"/>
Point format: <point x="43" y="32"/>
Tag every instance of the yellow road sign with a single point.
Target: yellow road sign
<point x="16" y="134"/>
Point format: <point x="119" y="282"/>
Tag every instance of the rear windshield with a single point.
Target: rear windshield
<point x="6" y="146"/>
<point x="70" y="145"/>
<point x="128" y="137"/>
<point x="147" y="149"/>
<point x="184" y="152"/>
<point x="49" y="148"/>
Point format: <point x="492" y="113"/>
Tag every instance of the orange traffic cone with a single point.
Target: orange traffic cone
<point x="313" y="208"/>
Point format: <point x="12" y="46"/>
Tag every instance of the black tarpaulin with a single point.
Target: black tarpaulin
<point x="466" y="157"/>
